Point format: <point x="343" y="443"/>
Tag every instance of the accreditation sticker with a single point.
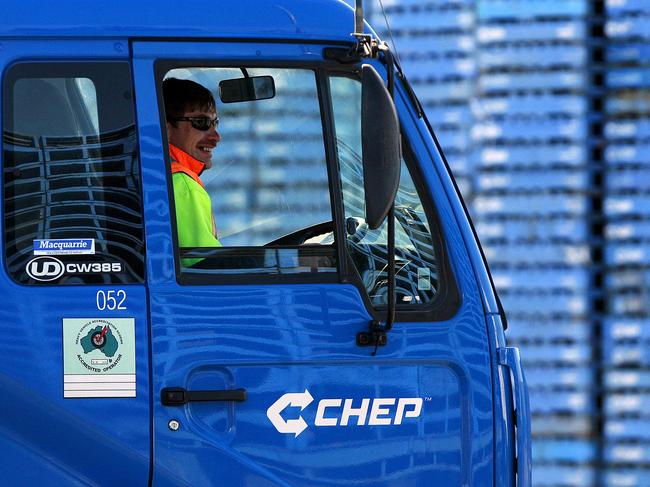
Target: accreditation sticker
<point x="98" y="357"/>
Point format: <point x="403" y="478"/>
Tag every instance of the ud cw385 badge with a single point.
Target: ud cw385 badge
<point x="46" y="268"/>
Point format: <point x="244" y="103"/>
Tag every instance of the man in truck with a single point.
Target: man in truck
<point x="192" y="122"/>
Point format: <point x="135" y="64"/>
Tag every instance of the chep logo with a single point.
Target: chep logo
<point x="380" y="411"/>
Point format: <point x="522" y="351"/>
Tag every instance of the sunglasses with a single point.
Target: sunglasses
<point x="199" y="123"/>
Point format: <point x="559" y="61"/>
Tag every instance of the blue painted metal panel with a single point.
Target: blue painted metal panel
<point x="293" y="19"/>
<point x="504" y="432"/>
<point x="46" y="438"/>
<point x="510" y="357"/>
<point x="288" y="338"/>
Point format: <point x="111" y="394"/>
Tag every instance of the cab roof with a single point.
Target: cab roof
<point x="173" y="19"/>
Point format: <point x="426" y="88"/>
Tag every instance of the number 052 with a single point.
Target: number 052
<point x="111" y="300"/>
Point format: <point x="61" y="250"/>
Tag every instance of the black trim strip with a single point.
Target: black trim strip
<point x="329" y="131"/>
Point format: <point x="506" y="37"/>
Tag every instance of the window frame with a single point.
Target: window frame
<point x="66" y="68"/>
<point x="161" y="68"/>
<point x="448" y="297"/>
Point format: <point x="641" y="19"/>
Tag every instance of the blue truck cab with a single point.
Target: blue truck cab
<point x="346" y="331"/>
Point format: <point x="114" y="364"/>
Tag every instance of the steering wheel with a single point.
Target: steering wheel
<point x="299" y="237"/>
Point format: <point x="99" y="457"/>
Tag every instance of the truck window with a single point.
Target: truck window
<point x="259" y="202"/>
<point x="417" y="269"/>
<point x="73" y="212"/>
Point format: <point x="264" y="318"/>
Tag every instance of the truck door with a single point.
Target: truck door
<point x="258" y="376"/>
<point x="73" y="326"/>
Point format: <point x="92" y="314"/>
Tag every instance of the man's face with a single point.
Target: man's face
<point x="196" y="143"/>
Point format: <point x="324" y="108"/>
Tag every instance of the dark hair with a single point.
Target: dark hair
<point x="182" y="95"/>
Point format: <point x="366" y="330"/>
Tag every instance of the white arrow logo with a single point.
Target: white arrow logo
<point x="296" y="399"/>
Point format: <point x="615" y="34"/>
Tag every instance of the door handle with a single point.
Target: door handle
<point x="177" y="396"/>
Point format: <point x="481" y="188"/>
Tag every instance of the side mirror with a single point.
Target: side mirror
<point x="246" y="89"/>
<point x="380" y="145"/>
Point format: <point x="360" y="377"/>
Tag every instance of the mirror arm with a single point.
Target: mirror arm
<point x="369" y="47"/>
<point x="390" y="318"/>
<point x="377" y="330"/>
<point x="390" y="72"/>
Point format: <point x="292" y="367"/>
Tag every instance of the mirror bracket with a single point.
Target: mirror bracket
<point x="376" y="337"/>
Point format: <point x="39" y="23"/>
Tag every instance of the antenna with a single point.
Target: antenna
<point x="358" y="17"/>
<point x="390" y="32"/>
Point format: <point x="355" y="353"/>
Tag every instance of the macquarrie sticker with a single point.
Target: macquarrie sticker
<point x="64" y="246"/>
<point x="98" y="357"/>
